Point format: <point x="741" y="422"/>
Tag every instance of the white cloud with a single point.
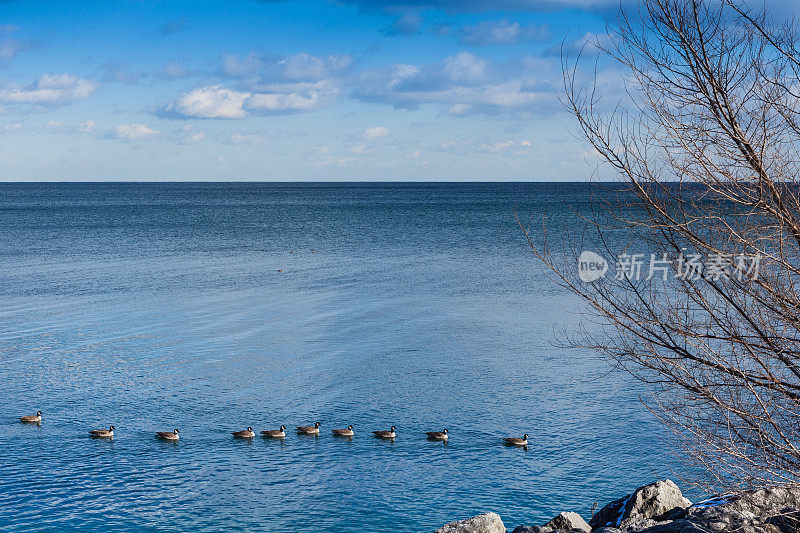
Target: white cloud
<point x="11" y="127"/>
<point x="464" y="84"/>
<point x="173" y="70"/>
<point x="54" y="126"/>
<point x="495" y="147"/>
<point x="9" y="47"/>
<point x="133" y="132"/>
<point x="51" y="89"/>
<point x="223" y="103"/>
<point x="282" y="102"/>
<point x="408" y="23"/>
<point x="208" y="102"/>
<point x="501" y="32"/>
<point x="120" y="73"/>
<point x="193" y="138"/>
<point x="189" y="135"/>
<point x="376" y="132"/>
<point x="507" y="147"/>
<point x="253" y="139"/>
<point x="465" y="68"/>
<point x="472" y="6"/>
<point x="87" y="126"/>
<point x="256" y="70"/>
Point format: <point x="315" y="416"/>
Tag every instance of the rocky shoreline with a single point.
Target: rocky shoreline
<point x="661" y="508"/>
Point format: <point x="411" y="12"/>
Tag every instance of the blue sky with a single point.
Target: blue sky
<point x="291" y="90"/>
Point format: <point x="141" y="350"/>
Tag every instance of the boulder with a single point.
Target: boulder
<point x="564" y="522"/>
<point x="771" y="510"/>
<point x="656" y="502"/>
<point x="485" y="523"/>
<point x="542" y="529"/>
<point x="567" y="522"/>
<point x="608" y="515"/>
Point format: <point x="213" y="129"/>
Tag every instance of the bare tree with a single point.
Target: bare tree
<point x="706" y="142"/>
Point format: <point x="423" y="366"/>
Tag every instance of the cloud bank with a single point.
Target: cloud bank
<point x="49" y="90"/>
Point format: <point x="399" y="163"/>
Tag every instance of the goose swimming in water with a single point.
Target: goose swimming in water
<point x="438" y="435"/>
<point x="347" y="432"/>
<point x="274" y="433"/>
<point x="244" y="434"/>
<point x="166" y="435"/>
<point x="515" y="441"/>
<point x="386" y="434"/>
<point x="103" y="433"/>
<point x="309" y="430"/>
<point x="32" y="418"/>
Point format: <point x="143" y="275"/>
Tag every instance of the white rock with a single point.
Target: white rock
<point x="485" y="523"/>
<point x="652" y="501"/>
<point x="567" y="521"/>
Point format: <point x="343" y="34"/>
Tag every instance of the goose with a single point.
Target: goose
<point x="438" y="435"/>
<point x="167" y="435"/>
<point x="274" y="433"/>
<point x="347" y="432"/>
<point x="32" y="418"/>
<point x="386" y="434"/>
<point x="103" y="433"/>
<point x="244" y="434"/>
<point x="515" y="441"/>
<point x="309" y="430"/>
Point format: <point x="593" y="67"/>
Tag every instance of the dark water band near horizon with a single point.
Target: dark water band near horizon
<point x="213" y="307"/>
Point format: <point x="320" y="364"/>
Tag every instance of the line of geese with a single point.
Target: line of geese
<point x="280" y="433"/>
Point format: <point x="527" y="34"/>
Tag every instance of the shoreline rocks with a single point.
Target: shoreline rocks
<point x="660" y="507"/>
<point x="649" y="502"/>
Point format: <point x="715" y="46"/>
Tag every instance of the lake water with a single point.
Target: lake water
<point x="161" y="306"/>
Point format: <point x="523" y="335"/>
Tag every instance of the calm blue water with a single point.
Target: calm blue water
<point x="153" y="306"/>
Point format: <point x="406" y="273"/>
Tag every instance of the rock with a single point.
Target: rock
<point x="485" y="523"/>
<point x="656" y="501"/>
<point x="772" y="510"/>
<point x="567" y="522"/>
<point x="661" y="508"/>
<point x="609" y="514"/>
<point x="765" y="502"/>
<point x="653" y="501"/>
<point x="543" y="529"/>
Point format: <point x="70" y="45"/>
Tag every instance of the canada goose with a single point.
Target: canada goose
<point x="244" y="434"/>
<point x="166" y="435"/>
<point x="517" y="441"/>
<point x="438" y="435"/>
<point x="32" y="418"/>
<point x="274" y="433"/>
<point x="309" y="430"/>
<point x="386" y="434"/>
<point x="348" y="432"/>
<point x="103" y="433"/>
